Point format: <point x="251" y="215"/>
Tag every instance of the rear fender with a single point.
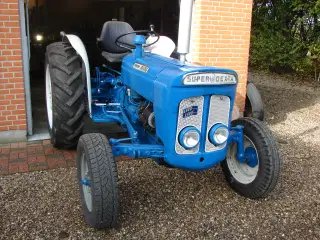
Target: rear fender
<point x="78" y="45"/>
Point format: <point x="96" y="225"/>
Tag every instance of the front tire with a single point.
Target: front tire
<point x="98" y="181"/>
<point x="260" y="179"/>
<point x="64" y="94"/>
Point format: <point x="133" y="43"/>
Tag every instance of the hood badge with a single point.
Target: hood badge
<point x="141" y="67"/>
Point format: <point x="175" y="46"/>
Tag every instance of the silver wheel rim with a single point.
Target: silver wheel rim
<point x="242" y="172"/>
<point x="49" y="97"/>
<point x="86" y="188"/>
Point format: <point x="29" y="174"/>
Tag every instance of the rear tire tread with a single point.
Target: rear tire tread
<point x="67" y="94"/>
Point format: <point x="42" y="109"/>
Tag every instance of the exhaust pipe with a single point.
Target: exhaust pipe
<point x="185" y="24"/>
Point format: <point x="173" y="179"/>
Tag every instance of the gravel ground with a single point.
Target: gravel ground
<point x="160" y="203"/>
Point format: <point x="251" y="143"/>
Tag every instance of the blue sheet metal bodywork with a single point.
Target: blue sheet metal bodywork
<point x="158" y="80"/>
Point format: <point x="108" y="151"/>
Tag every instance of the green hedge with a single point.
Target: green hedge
<point x="285" y="35"/>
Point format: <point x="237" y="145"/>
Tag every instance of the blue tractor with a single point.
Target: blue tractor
<point x="176" y="113"/>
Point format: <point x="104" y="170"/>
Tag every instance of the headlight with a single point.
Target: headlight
<point x="209" y="79"/>
<point x="39" y="37"/>
<point x="189" y="137"/>
<point x="219" y="134"/>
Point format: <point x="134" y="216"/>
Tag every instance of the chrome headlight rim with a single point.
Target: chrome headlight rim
<point x="183" y="134"/>
<point x="218" y="128"/>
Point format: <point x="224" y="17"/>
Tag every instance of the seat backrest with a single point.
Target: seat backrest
<point x="111" y="31"/>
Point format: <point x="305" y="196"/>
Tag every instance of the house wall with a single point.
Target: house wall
<point x="12" y="95"/>
<point x="221" y="38"/>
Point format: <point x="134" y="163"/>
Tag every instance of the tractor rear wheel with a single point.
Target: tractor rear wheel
<point x="64" y="94"/>
<point x="254" y="104"/>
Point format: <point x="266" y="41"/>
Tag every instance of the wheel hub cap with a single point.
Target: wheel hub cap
<point x="247" y="171"/>
<point x="86" y="183"/>
<point x="251" y="156"/>
<point x="49" y="97"/>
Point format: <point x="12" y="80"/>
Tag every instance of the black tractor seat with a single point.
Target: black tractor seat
<point x="110" y="32"/>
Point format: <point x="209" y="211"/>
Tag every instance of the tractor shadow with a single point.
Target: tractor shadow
<point x="284" y="94"/>
<point x="151" y="190"/>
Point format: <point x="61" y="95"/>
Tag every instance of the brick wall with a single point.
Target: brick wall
<point x="12" y="97"/>
<point x="221" y="37"/>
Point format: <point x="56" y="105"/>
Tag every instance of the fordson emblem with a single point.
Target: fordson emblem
<point x="190" y="111"/>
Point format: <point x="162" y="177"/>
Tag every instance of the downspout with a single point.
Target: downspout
<point x="185" y="24"/>
<point x="28" y="26"/>
<point x="25" y="65"/>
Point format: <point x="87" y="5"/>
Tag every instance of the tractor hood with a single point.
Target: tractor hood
<point x="142" y="73"/>
<point x="162" y="81"/>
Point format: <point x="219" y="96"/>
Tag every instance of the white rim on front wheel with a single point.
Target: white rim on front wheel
<point x="49" y="96"/>
<point x="86" y="183"/>
<point x="242" y="172"/>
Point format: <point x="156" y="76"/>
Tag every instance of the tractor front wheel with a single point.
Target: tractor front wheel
<point x="64" y="94"/>
<point x="258" y="176"/>
<point x="98" y="181"/>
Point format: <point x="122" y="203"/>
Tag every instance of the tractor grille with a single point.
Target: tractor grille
<point x="191" y="114"/>
<point x="218" y="113"/>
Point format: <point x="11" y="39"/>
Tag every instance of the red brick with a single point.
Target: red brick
<point x="9" y="96"/>
<point x="22" y="127"/>
<point x="4" y="128"/>
<point x="11" y="24"/>
<point x="9" y="1"/>
<point x="14" y="18"/>
<point x="35" y="149"/>
<point x="4" y="18"/>
<point x="11" y="117"/>
<point x="67" y="155"/>
<point x="36" y="159"/>
<point x="48" y="151"/>
<point x="5" y="150"/>
<point x="22" y="155"/>
<point x="18" y="167"/>
<point x="14" y="155"/>
<point x="13" y="128"/>
<point x="14" y="145"/>
<point x="22" y="144"/>
<point x="38" y="166"/>
<point x="12" y="107"/>
<point x="4" y="162"/>
<point x="4" y="170"/>
<point x="19" y="122"/>
<point x="13" y="5"/>
<point x="23" y="167"/>
<point x="56" y="163"/>
<point x="9" y="11"/>
<point x="13" y="168"/>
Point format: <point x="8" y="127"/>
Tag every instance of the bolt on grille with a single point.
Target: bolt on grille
<point x="191" y="114"/>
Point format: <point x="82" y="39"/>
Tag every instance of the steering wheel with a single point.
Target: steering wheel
<point x="132" y="46"/>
